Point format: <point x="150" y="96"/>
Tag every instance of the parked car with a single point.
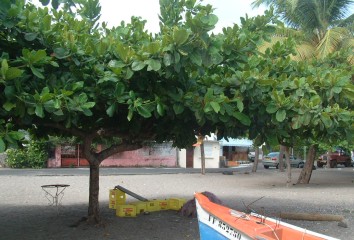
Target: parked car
<point x="272" y="160"/>
<point x="337" y="157"/>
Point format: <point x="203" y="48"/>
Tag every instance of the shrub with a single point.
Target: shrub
<point x="34" y="155"/>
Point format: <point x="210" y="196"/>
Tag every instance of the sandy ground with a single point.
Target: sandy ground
<point x="25" y="213"/>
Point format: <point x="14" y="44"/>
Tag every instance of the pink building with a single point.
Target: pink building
<point x="156" y="155"/>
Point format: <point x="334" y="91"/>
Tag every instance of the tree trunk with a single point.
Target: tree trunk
<point x="202" y="157"/>
<point x="281" y="159"/>
<point x="256" y="159"/>
<point x="92" y="158"/>
<point x="288" y="166"/>
<point x="328" y="159"/>
<point x="306" y="172"/>
<point x="93" y="208"/>
<point x="95" y="159"/>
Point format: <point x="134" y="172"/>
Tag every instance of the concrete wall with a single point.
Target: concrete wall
<point x="212" y="155"/>
<point x="182" y="158"/>
<point x="156" y="155"/>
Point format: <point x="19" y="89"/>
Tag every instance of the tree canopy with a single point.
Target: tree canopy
<point x="64" y="74"/>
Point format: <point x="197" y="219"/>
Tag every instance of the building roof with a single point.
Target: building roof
<point x="236" y="142"/>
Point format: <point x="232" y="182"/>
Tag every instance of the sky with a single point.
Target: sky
<point x="228" y="12"/>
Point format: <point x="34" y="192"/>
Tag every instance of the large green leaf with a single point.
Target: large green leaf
<point x="120" y="88"/>
<point x="143" y="111"/>
<point x="280" y="115"/>
<point x="8" y="106"/>
<point x="153" y="64"/>
<point x="130" y="115"/>
<point x="215" y="106"/>
<point x="210" y="19"/>
<point x="196" y="58"/>
<point x="240" y="105"/>
<point x="296" y="123"/>
<point x="37" y="72"/>
<point x="46" y="22"/>
<point x="153" y="47"/>
<point x="31" y="36"/>
<point x="87" y="112"/>
<point x="138" y="65"/>
<point x="180" y="35"/>
<point x="37" y="56"/>
<point x="61" y="53"/>
<point x="124" y="52"/>
<point x="178" y="108"/>
<point x="10" y="92"/>
<point x="16" y="135"/>
<point x="349" y="92"/>
<point x="326" y="120"/>
<point x="160" y="109"/>
<point x="39" y="111"/>
<point x="244" y="119"/>
<point x="88" y="105"/>
<point x="13" y="73"/>
<point x="272" y="108"/>
<point x="167" y="59"/>
<point x="4" y="68"/>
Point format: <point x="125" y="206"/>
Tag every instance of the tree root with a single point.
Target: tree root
<point x="76" y="224"/>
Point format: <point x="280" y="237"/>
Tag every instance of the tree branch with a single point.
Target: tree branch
<point x="116" y="149"/>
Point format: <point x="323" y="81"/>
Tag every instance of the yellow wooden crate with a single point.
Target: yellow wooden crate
<point x="116" y="197"/>
<point x="141" y="207"/>
<point x="176" y="203"/>
<point x="152" y="206"/>
<point x="163" y="204"/>
<point x="126" y="211"/>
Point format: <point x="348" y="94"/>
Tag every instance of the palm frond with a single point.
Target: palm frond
<point x="347" y="43"/>
<point x="309" y="15"/>
<point x="331" y="41"/>
<point x="258" y="3"/>
<point x="304" y="51"/>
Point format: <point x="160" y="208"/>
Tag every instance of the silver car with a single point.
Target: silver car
<point x="272" y="160"/>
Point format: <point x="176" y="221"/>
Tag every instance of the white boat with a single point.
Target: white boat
<point x="217" y="222"/>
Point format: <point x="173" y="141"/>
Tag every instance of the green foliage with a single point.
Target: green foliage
<point x="34" y="155"/>
<point x="96" y="83"/>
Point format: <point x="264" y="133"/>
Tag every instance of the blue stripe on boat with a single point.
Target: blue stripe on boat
<point x="208" y="233"/>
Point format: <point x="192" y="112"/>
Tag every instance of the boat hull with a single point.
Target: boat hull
<point x="217" y="222"/>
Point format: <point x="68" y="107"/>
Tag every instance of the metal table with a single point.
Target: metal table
<point x="54" y="193"/>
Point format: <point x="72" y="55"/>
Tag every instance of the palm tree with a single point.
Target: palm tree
<point x="320" y="27"/>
